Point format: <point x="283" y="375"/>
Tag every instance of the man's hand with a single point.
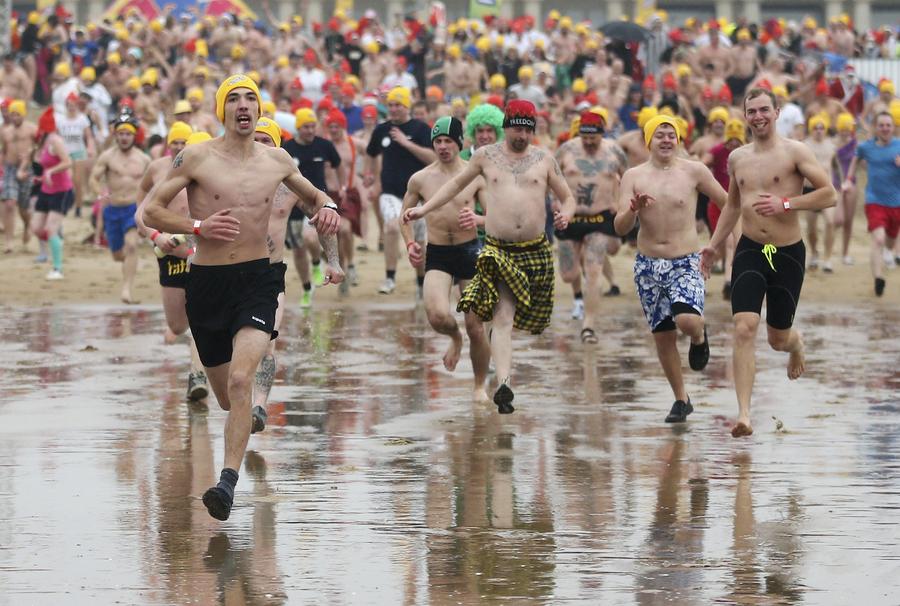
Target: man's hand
<point x="166" y="242"/>
<point x="399" y="137"/>
<point x="467" y="218"/>
<point x="768" y="205"/>
<point x="413" y="214"/>
<point x="640" y="201"/>
<point x="220" y="226"/>
<point x="326" y="221"/>
<point x="414" y="250"/>
<point x="333" y="275"/>
<point x="708" y="258"/>
<point x="560" y="221"/>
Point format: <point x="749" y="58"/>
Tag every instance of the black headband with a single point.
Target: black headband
<point x="590" y="129"/>
<point x="520" y="121"/>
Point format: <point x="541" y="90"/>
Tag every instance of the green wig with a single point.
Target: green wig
<point x="484" y="114"/>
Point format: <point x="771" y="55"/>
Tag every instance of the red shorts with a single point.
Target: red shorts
<point x="712" y="215"/>
<point x="887" y="217"/>
<point x="351" y="208"/>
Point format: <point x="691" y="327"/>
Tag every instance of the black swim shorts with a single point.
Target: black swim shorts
<point x="281" y="268"/>
<point x="582" y="225"/>
<point x="776" y="273"/>
<point x="173" y="271"/>
<point x="222" y="299"/>
<point x="458" y="260"/>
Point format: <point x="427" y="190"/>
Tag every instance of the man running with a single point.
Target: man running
<point x="514" y="283"/>
<point x="116" y="179"/>
<point x="17" y="138"/>
<point x="882" y="158"/>
<point x="765" y="184"/>
<point x="172" y="256"/>
<point x="232" y="289"/>
<point x="592" y="167"/>
<point x="283" y="202"/>
<point x="405" y="144"/>
<point x="663" y="193"/>
<point x="452" y="249"/>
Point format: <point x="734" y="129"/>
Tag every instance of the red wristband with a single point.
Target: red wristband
<point x="786" y="203"/>
<point x="197" y="227"/>
<point x="154" y="236"/>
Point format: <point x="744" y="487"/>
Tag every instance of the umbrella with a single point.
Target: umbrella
<point x="625" y="31"/>
<point x="235" y="7"/>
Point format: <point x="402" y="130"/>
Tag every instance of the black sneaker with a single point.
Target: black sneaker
<point x="698" y="355"/>
<point x="680" y="411"/>
<point x="879" y="286"/>
<point x="259" y="416"/>
<point x="218" y="503"/>
<point x="613" y="291"/>
<point x="198" y="387"/>
<point x="503" y="398"/>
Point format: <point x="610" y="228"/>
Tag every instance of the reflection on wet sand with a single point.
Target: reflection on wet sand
<point x="377" y="481"/>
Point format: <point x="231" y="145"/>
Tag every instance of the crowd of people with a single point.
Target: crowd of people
<point x="486" y="146"/>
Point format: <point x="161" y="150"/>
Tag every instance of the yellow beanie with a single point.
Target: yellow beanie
<point x="268" y="108"/>
<point x="198" y="137"/>
<point x="88" y="74"/>
<point x="179" y="131"/>
<point x="150" y="77"/>
<point x="401" y="95"/>
<point x="195" y="93"/>
<point x="579" y="86"/>
<point x="18" y="107"/>
<point x="526" y="72"/>
<point x="734" y="129"/>
<point x="304" y="115"/>
<point x="264" y="125"/>
<point x="453" y="51"/>
<point x="657" y="121"/>
<point x="718" y="113"/>
<point x="815" y="121"/>
<point x="114" y="58"/>
<point x="498" y="81"/>
<point x="645" y="115"/>
<point x="182" y="106"/>
<point x="229" y="84"/>
<point x="845" y="121"/>
<point x="133" y="83"/>
<point x="62" y="70"/>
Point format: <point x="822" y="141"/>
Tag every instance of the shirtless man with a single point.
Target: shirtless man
<point x="268" y="133"/>
<point x="14" y="81"/>
<point x="173" y="262"/>
<point x="149" y="103"/>
<point x="452" y="249"/>
<point x="201" y="120"/>
<point x="116" y="179"/>
<point x="456" y="81"/>
<point x="232" y="289"/>
<point x="881" y="103"/>
<point x="825" y="152"/>
<point x="514" y="282"/>
<point x="17" y="139"/>
<point x="372" y="69"/>
<point x="716" y="55"/>
<point x="745" y="63"/>
<point x="765" y="181"/>
<point x="715" y="134"/>
<point x="592" y="167"/>
<point x="663" y="193"/>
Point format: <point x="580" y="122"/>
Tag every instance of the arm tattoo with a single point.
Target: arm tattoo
<point x="265" y="375"/>
<point x="179" y="159"/>
<point x="556" y="168"/>
<point x="330" y="246"/>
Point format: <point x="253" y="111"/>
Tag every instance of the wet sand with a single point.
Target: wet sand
<point x="379" y="482"/>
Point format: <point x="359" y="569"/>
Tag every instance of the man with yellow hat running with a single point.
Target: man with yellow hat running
<point x="765" y="191"/>
<point x="116" y="179"/>
<point x="232" y="289"/>
<point x="172" y="252"/>
<point x="405" y="146"/>
<point x="17" y="137"/>
<point x="662" y="192"/>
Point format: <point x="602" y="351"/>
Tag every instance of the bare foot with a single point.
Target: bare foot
<point x="480" y="396"/>
<point x="797" y="362"/>
<point x="127" y="299"/>
<point x="741" y="430"/>
<point x="169" y="337"/>
<point x="451" y="358"/>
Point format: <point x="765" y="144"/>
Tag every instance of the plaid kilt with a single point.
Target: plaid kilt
<point x="526" y="268"/>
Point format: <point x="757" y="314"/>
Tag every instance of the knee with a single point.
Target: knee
<point x="392" y="227"/>
<point x="239" y="384"/>
<point x="474" y="327"/>
<point x="440" y="320"/>
<point x="569" y="275"/>
<point x="689" y="323"/>
<point x="878" y="239"/>
<point x="745" y="331"/>
<point x="779" y="340"/>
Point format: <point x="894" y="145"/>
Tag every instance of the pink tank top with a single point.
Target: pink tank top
<point x="58" y="182"/>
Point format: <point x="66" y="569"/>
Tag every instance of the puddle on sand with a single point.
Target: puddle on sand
<point x="377" y="481"/>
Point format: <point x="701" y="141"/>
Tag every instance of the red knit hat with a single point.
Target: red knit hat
<point x="520" y="113"/>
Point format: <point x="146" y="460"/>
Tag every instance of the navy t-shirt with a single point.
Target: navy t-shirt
<point x="311" y="160"/>
<point x="398" y="164"/>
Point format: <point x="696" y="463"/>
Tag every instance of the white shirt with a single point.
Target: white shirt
<point x="72" y="131"/>
<point x="404" y="79"/>
<point x="791" y="115"/>
<point x="312" y="81"/>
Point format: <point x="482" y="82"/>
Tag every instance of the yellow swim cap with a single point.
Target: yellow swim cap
<point x="282" y="61"/>
<point x="18" y="107"/>
<point x="779" y="91"/>
<point x="734" y="129"/>
<point x="718" y="113"/>
<point x="657" y="121"/>
<point x="303" y="116"/>
<point x="401" y="95"/>
<point x="683" y="69"/>
<point x="453" y="51"/>
<point x="886" y="86"/>
<point x="526" y="71"/>
<point x="133" y="83"/>
<point x="264" y="125"/>
<point x="63" y="70"/>
<point x="114" y="58"/>
<point x="198" y="137"/>
<point x="497" y="81"/>
<point x="88" y="74"/>
<point x="648" y="112"/>
<point x="195" y="93"/>
<point x="179" y="131"/>
<point x="182" y="106"/>
<point x="229" y="84"/>
<point x="845" y="121"/>
<point x="815" y="121"/>
<point x="150" y="77"/>
<point x="579" y="86"/>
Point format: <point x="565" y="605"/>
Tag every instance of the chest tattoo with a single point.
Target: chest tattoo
<point x="517" y="166"/>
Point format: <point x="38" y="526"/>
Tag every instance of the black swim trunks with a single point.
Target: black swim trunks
<point x="700" y="212"/>
<point x="173" y="271"/>
<point x="775" y="273"/>
<point x="582" y="225"/>
<point x="281" y="268"/>
<point x="458" y="260"/>
<point x="222" y="299"/>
